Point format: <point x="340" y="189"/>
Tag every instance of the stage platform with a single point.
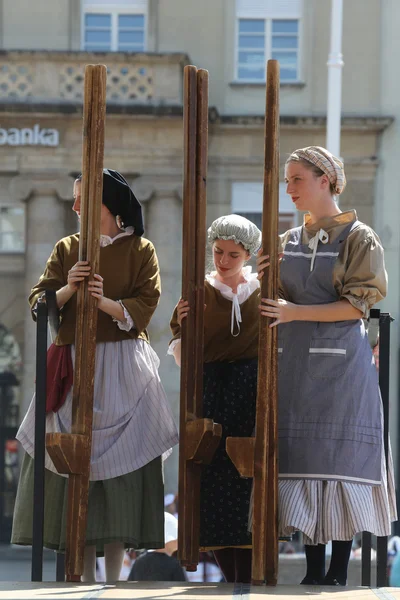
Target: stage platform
<point x="194" y="591"/>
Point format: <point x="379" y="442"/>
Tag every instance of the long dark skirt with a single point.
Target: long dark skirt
<point x="230" y="390"/>
<point x="127" y="509"/>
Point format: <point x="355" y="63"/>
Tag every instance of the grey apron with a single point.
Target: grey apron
<point x="329" y="401"/>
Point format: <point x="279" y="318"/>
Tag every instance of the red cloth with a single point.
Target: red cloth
<point x="60" y="376"/>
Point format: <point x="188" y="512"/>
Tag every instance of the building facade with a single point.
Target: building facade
<point x="145" y="44"/>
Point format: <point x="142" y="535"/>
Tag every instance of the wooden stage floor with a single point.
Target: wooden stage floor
<point x="194" y="591"/>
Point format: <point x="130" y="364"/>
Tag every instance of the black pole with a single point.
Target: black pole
<point x="366" y="545"/>
<point x="40" y="432"/>
<point x="2" y="456"/>
<point x="366" y="537"/>
<point x="384" y="384"/>
<point x="60" y="566"/>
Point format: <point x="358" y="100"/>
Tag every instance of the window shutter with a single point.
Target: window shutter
<point x="269" y="9"/>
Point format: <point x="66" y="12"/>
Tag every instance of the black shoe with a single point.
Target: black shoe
<point x="332" y="581"/>
<point x="310" y="581"/>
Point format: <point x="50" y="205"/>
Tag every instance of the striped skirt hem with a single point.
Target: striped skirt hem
<point x="334" y="510"/>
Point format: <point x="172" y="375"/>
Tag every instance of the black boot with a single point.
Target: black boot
<point x="315" y="556"/>
<point x="225" y="559"/>
<point x="337" y="573"/>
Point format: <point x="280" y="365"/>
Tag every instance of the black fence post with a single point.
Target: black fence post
<point x="40" y="433"/>
<point x="60" y="566"/>
<point x="379" y="321"/>
<point x="46" y="314"/>
<point x="384" y="383"/>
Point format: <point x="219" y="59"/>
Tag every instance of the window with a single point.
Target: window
<point x="12" y="229"/>
<point x="247" y="199"/>
<point x="115" y="26"/>
<point x="267" y="29"/>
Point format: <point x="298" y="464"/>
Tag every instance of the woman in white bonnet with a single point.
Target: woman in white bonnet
<point x="332" y="468"/>
<point x="232" y="298"/>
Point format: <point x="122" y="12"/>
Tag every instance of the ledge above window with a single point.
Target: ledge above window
<point x="261" y="84"/>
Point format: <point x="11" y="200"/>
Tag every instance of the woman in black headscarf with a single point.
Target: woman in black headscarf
<point x="132" y="421"/>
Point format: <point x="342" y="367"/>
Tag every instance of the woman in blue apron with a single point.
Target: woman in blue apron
<point x="333" y="476"/>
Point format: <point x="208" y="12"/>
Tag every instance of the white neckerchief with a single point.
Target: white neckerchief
<point x="106" y="240"/>
<point x="244" y="290"/>
<point x="321" y="236"/>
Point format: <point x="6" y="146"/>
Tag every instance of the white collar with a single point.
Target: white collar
<point x="106" y="240"/>
<point x="250" y="281"/>
<point x="244" y="291"/>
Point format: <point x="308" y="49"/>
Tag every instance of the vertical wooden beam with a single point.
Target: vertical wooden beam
<point x="86" y="326"/>
<point x="268" y="342"/>
<point x="71" y="452"/>
<point x="187" y="404"/>
<point x="258" y="457"/>
<point x="201" y="206"/>
<point x="198" y="437"/>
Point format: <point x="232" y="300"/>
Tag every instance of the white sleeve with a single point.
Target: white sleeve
<point x="172" y="346"/>
<point x="127" y="324"/>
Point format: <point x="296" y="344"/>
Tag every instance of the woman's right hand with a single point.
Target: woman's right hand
<point x="182" y="309"/>
<point x="76" y="274"/>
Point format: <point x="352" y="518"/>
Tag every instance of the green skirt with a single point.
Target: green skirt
<point x="128" y="509"/>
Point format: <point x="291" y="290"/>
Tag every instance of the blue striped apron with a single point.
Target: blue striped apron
<point x="329" y="400"/>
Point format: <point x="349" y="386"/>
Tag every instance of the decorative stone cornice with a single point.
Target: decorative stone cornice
<point x="163" y="58"/>
<point x="306" y="122"/>
<point x="26" y="185"/>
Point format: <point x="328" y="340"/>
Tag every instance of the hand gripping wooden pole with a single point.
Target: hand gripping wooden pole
<point x="258" y="457"/>
<point x="198" y="437"/>
<point x="70" y="452"/>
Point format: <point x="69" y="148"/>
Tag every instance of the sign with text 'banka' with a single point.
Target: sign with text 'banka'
<point x="35" y="136"/>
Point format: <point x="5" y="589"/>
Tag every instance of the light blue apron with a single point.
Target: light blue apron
<point x="329" y="400"/>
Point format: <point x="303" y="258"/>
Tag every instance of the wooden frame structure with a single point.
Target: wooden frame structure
<point x="70" y="452"/>
<point x="198" y="437"/>
<point x="257" y="456"/>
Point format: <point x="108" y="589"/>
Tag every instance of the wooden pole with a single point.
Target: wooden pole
<point x="267" y="387"/>
<point x="258" y="457"/>
<point x="198" y="437"/>
<point x="188" y="473"/>
<point x="201" y="208"/>
<point x="71" y="452"/>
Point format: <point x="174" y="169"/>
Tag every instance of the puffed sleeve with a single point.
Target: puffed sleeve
<point x="52" y="279"/>
<point x="146" y="295"/>
<point x="365" y="278"/>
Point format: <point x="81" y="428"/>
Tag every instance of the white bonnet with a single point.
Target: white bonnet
<point x="236" y="228"/>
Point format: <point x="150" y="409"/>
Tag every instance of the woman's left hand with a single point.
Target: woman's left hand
<point x="263" y="262"/>
<point x="95" y="287"/>
<point x="280" y="310"/>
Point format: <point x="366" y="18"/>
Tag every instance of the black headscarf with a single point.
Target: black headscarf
<point x="121" y="201"/>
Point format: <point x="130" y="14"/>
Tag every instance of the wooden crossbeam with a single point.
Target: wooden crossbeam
<point x="198" y="437"/>
<point x="258" y="457"/>
<point x="71" y="452"/>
